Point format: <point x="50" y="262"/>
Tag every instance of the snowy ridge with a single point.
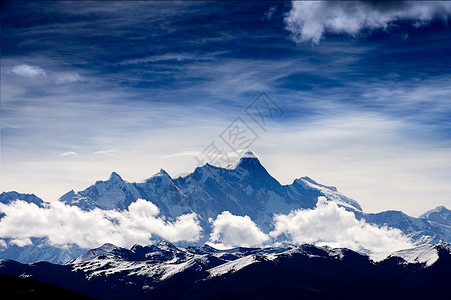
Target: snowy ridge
<point x="118" y="273"/>
<point x="440" y="215"/>
<point x="164" y="260"/>
<point x="424" y="254"/>
<point x="233" y="266"/>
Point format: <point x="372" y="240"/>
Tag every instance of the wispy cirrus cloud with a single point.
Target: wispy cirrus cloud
<point x="67" y="78"/>
<point x="69" y="153"/>
<point x="108" y="152"/>
<point x="28" y="71"/>
<point x="308" y="21"/>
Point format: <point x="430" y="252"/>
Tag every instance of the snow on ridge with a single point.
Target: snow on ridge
<point x="426" y="253"/>
<point x="233" y="265"/>
<point x="331" y="193"/>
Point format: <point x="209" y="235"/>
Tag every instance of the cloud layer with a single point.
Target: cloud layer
<point x="309" y="20"/>
<point x="326" y="225"/>
<point x="62" y="225"/>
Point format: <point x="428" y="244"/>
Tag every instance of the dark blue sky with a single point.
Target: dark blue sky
<point x="362" y="86"/>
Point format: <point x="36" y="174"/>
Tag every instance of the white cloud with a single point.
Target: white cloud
<point x="309" y="20"/>
<point x="333" y="226"/>
<point x="28" y="71"/>
<point x="69" y="153"/>
<point x="63" y="225"/>
<point x="230" y="231"/>
<point x="68" y="78"/>
<point x="22" y="242"/>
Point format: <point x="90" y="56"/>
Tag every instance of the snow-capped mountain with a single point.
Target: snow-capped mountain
<point x="8" y="197"/>
<point x="440" y="215"/>
<point x="202" y="272"/>
<point x="421" y="230"/>
<point x="245" y="188"/>
<point x="115" y="193"/>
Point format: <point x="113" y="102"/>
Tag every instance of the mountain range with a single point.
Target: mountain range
<point x="244" y="189"/>
<point x="164" y="271"/>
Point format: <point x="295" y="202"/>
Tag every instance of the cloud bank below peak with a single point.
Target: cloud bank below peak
<point x="61" y="225"/>
<point x="326" y="225"/>
<point x="308" y="21"/>
<point x="64" y="225"/>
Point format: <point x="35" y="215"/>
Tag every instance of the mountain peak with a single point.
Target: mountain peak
<point x="166" y="245"/>
<point x="248" y="154"/>
<point x="115" y="177"/>
<point x="162" y="172"/>
<point x="249" y="160"/>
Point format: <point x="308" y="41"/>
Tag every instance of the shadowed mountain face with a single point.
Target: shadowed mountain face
<point x="164" y="271"/>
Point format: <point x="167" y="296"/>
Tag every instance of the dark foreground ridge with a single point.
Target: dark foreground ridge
<point x="13" y="287"/>
<point x="163" y="271"/>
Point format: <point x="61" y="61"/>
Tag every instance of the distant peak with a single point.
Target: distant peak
<point x="107" y="247"/>
<point x="165" y="245"/>
<point x="161" y="173"/>
<point x="115" y="176"/>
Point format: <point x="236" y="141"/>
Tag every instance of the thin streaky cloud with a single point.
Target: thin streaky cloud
<point x="67" y="78"/>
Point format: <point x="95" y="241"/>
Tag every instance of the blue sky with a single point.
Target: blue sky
<point x="89" y="88"/>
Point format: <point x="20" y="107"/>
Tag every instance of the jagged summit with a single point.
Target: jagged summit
<point x="115" y="177"/>
<point x="162" y="172"/>
<point x="166" y="245"/>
